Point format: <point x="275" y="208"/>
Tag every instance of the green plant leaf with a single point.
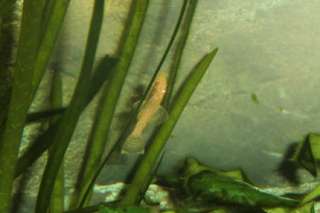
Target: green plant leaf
<point x="43" y="115"/>
<point x="109" y="99"/>
<point x="237" y="174"/>
<point x="142" y="174"/>
<point x="116" y="148"/>
<point x="192" y="166"/>
<point x="124" y="210"/>
<point x="307" y="153"/>
<point x="21" y="96"/>
<point x="209" y="186"/>
<point x="182" y="40"/>
<point x="50" y="33"/>
<point x="100" y="75"/>
<point x="44" y="140"/>
<point x="64" y="131"/>
<point x="308" y="208"/>
<point x="5" y="6"/>
<point x="56" y="97"/>
<point x="315" y="193"/>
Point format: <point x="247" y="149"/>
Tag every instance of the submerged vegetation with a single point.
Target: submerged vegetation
<point x="197" y="188"/>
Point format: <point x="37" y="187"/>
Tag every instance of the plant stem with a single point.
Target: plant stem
<point x="110" y="96"/>
<point x="62" y="136"/>
<point x="21" y="98"/>
<point x="133" y="193"/>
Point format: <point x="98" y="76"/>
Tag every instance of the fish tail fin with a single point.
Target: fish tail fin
<point x="133" y="145"/>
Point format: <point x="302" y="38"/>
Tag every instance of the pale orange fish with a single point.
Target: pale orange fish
<point x="134" y="143"/>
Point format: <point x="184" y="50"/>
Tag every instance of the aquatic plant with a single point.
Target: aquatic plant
<point x="41" y="21"/>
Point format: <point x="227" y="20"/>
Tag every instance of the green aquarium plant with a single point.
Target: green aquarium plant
<point x="200" y="188"/>
<point x="150" y="158"/>
<point x="64" y="131"/>
<point x="30" y="62"/>
<point x="56" y="101"/>
<point x="110" y="96"/>
<point x="208" y="186"/>
<point x="88" y="185"/>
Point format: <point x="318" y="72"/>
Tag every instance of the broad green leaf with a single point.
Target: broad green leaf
<point x="315" y="193"/>
<point x="237" y="174"/>
<point x="307" y="153"/>
<point x="210" y="186"/>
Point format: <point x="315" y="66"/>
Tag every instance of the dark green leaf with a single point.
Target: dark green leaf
<point x="109" y="99"/>
<point x="209" y="186"/>
<point x="65" y="129"/>
<point x="307" y="153"/>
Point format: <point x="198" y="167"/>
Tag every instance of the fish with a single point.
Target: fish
<point x="135" y="142"/>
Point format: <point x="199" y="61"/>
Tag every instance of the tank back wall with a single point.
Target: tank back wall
<point x="258" y="96"/>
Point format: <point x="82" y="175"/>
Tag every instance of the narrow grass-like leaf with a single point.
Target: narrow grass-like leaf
<point x="62" y="136"/>
<point x="50" y="34"/>
<point x="133" y="193"/>
<point x="104" y="208"/>
<point x="116" y="148"/>
<point x="43" y="141"/>
<point x="8" y="40"/>
<point x="182" y="39"/>
<point x="5" y="6"/>
<point x="314" y="194"/>
<point x="56" y="97"/>
<point x="99" y="77"/>
<point x="44" y="115"/>
<point x="21" y="97"/>
<point x="184" y="22"/>
<point x="110" y="96"/>
<point x="51" y="31"/>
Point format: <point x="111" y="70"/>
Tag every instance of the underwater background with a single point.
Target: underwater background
<point x="267" y="49"/>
